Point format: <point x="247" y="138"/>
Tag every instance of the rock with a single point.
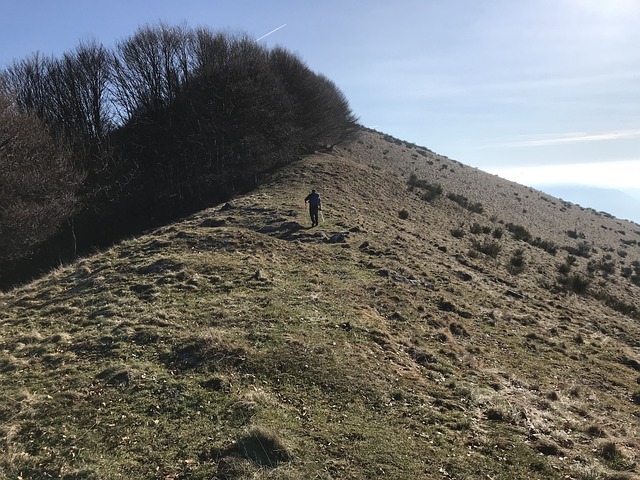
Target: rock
<point x="291" y="226"/>
<point x="114" y="377"/>
<point x="464" y="276"/>
<point x="511" y="293"/>
<point x="260" y="276"/>
<point x="269" y="229"/>
<point x="338" y="238"/>
<point x="227" y="206"/>
<point x="213" y="222"/>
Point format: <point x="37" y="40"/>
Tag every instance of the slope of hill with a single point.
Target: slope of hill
<point x="616" y="202"/>
<point x="488" y="332"/>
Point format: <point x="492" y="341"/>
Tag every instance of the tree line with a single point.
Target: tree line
<point x="101" y="143"/>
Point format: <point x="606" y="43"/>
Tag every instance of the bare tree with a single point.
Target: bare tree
<point x="150" y="69"/>
<point x="37" y="182"/>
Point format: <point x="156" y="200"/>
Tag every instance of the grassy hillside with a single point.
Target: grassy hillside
<point x="445" y="324"/>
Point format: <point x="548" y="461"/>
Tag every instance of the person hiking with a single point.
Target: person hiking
<point x="314" y="205"/>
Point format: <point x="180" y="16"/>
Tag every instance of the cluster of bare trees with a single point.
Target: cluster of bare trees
<point x="38" y="183"/>
<point x="171" y="119"/>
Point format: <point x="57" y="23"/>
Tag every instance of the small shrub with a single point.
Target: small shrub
<point x="465" y="203"/>
<point x="497" y="233"/>
<point x="476" y="208"/>
<point x="606" y="268"/>
<point x="547" y="447"/>
<point x="582" y="250"/>
<point x="476" y="228"/>
<point x="564" y="269"/>
<point x="576" y="283"/>
<point x="546" y="245"/>
<point x="473" y="254"/>
<point x="612" y="455"/>
<point x="488" y="247"/>
<point x="429" y="191"/>
<point x="596" y="431"/>
<point x="403" y="214"/>
<point x="264" y="448"/>
<point x="574" y="234"/>
<point x="516" y="262"/>
<point x="457" y="232"/>
<point x="519" y="232"/>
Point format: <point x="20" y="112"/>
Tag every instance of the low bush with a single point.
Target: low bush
<point x="457" y="232"/>
<point x="465" y="203"/>
<point x="583" y="249"/>
<point x="519" y="232"/>
<point x="516" y="262"/>
<point x="488" y="247"/>
<point x="574" y="234"/>
<point x="429" y="190"/>
<point x="576" y="283"/>
<point x="476" y="228"/>
<point x="546" y="245"/>
<point x="618" y="305"/>
<point x="602" y="266"/>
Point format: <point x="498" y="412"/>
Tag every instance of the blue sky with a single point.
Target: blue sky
<point x="538" y="91"/>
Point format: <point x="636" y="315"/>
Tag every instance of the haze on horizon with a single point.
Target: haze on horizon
<point x="542" y="92"/>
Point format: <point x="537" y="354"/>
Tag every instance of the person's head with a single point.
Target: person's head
<point x="313" y="191"/>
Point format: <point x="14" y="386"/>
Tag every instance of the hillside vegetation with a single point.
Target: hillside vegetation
<point x="441" y="323"/>
<point x="99" y="144"/>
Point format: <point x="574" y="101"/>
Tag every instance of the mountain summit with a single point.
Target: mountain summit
<point x="439" y="323"/>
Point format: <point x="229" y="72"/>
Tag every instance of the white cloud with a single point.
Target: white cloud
<point x="573" y="138"/>
<point x="615" y="174"/>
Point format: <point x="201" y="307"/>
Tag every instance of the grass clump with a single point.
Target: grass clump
<point x="613" y="457"/>
<point x="263" y="447"/>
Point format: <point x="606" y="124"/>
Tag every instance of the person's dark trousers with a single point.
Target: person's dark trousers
<point x="313" y="212"/>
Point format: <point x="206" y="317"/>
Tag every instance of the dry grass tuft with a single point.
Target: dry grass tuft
<point x="264" y="447"/>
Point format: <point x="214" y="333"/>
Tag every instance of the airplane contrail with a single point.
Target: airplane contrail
<point x="272" y="31"/>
